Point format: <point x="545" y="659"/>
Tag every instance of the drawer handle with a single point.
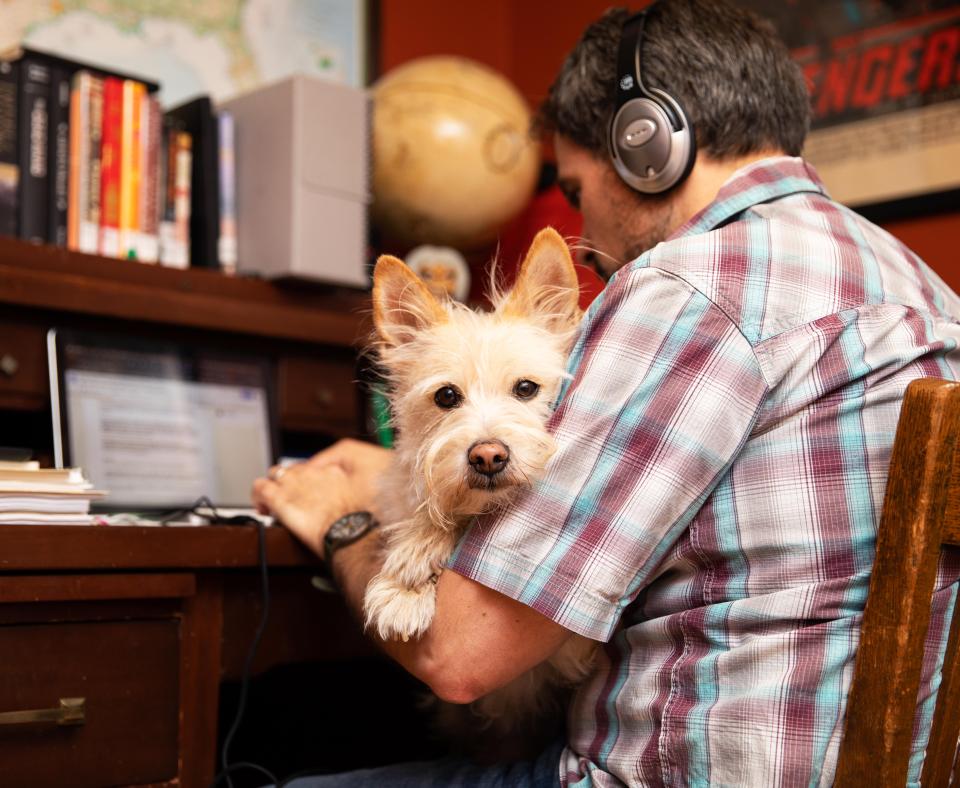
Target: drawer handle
<point x="323" y="396"/>
<point x="72" y="711"/>
<point x="9" y="365"/>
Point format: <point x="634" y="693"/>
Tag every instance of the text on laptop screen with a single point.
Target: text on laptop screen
<point x="160" y="429"/>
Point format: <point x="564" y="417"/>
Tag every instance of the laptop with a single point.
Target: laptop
<point x="158" y="424"/>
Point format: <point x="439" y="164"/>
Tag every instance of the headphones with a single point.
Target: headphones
<point x="651" y="142"/>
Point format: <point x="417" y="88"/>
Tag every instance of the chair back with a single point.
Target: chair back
<point x="920" y="513"/>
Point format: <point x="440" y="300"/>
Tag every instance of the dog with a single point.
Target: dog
<point x="471" y="393"/>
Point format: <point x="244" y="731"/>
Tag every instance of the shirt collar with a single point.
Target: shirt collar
<point x="758" y="182"/>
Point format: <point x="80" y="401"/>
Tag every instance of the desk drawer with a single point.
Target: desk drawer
<point x="319" y="394"/>
<point x="23" y="365"/>
<point x="127" y="671"/>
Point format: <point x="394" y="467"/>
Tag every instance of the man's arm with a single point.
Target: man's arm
<point x="479" y="639"/>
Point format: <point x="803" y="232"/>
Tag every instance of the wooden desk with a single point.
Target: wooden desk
<point x="144" y="623"/>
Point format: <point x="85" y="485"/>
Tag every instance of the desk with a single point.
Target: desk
<point x="144" y="623"/>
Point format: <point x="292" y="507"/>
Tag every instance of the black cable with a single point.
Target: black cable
<point x="226" y="766"/>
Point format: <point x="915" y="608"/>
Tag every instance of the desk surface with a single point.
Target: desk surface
<point x="62" y="547"/>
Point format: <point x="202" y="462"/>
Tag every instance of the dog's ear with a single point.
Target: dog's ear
<point x="402" y="305"/>
<point x="546" y="285"/>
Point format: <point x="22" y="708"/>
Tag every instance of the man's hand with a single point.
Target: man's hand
<point x="479" y="639"/>
<point x="310" y="496"/>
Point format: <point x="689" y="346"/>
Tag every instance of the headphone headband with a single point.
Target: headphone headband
<point x="651" y="143"/>
<point x="629" y="66"/>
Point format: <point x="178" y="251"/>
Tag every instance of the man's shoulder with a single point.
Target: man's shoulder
<point x="785" y="263"/>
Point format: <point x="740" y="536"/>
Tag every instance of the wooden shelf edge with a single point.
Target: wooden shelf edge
<point x="59" y="280"/>
<point x="65" y="547"/>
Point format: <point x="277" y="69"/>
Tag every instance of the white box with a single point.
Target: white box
<point x="303" y="180"/>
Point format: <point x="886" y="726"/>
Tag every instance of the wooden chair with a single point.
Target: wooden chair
<point x="921" y="512"/>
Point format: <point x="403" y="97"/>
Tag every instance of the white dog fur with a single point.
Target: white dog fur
<point x="442" y="352"/>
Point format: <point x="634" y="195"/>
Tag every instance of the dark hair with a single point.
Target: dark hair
<point x="726" y="66"/>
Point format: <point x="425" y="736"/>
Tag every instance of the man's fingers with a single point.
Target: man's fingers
<point x="265" y="494"/>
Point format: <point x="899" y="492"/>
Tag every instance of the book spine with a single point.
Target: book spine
<point x="182" y="196"/>
<point x="90" y="220"/>
<point x="77" y="189"/>
<point x="149" y="191"/>
<point x="33" y="134"/>
<point x="9" y="149"/>
<point x="110" y="168"/>
<point x="58" y="155"/>
<point x="130" y="169"/>
<point x="227" y="243"/>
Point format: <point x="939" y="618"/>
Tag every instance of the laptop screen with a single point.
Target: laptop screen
<point x="158" y="426"/>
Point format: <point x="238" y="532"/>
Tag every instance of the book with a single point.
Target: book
<point x="227" y="243"/>
<point x="58" y="155"/>
<point x="90" y="215"/>
<point x="34" y="118"/>
<point x="175" y="222"/>
<point x="27" y="488"/>
<point x="9" y="149"/>
<point x="197" y="118"/>
<point x="110" y="167"/>
<point x="83" y="212"/>
<point x="149" y="248"/>
<point x="41" y="475"/>
<point x="45" y="503"/>
<point x="19" y="465"/>
<point x="130" y="167"/>
<point x="79" y="156"/>
<point x="37" y="518"/>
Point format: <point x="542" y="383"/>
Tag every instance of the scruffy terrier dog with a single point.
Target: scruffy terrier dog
<point x="471" y="393"/>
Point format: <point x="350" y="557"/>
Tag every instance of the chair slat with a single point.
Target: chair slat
<point x="942" y="747"/>
<point x="883" y="695"/>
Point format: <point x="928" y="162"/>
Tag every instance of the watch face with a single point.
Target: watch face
<point x="349" y="526"/>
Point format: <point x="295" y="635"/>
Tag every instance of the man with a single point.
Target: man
<point x="710" y="514"/>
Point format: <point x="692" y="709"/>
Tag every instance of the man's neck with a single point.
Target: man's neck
<point x="706" y="179"/>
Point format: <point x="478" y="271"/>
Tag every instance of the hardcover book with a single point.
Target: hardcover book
<point x="197" y="119"/>
<point x="110" y="167"/>
<point x="9" y="159"/>
<point x="34" y="120"/>
<point x="58" y="155"/>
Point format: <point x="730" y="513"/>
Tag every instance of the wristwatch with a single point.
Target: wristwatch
<point x="347" y="530"/>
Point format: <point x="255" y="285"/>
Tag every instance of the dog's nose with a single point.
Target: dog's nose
<point x="488" y="457"/>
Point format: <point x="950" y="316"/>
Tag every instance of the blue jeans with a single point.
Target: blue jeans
<point x="447" y="773"/>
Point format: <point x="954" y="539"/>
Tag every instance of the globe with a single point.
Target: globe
<point x="453" y="159"/>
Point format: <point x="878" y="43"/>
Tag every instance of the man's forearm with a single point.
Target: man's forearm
<point x="354" y="566"/>
<point x="479" y="640"/>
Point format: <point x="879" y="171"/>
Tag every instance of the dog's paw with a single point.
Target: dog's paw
<point x="396" y="612"/>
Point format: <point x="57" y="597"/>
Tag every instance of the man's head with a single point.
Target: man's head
<point x="733" y="76"/>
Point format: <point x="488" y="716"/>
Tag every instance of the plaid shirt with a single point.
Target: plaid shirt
<point x="711" y="511"/>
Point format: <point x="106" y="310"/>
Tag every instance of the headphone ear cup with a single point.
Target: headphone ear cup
<point x="651" y="144"/>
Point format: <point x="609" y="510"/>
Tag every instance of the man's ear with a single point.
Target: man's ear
<point x="546" y="287"/>
<point x="402" y="305"/>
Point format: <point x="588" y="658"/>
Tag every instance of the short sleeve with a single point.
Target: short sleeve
<point x="664" y="393"/>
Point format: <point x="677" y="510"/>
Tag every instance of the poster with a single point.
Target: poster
<point x="884" y="78"/>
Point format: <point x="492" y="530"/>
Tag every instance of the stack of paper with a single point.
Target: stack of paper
<point x="31" y="495"/>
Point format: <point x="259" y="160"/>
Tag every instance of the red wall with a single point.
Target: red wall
<point x="526" y="40"/>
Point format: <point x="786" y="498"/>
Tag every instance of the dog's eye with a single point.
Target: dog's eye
<point x="525" y="389"/>
<point x="448" y="397"/>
